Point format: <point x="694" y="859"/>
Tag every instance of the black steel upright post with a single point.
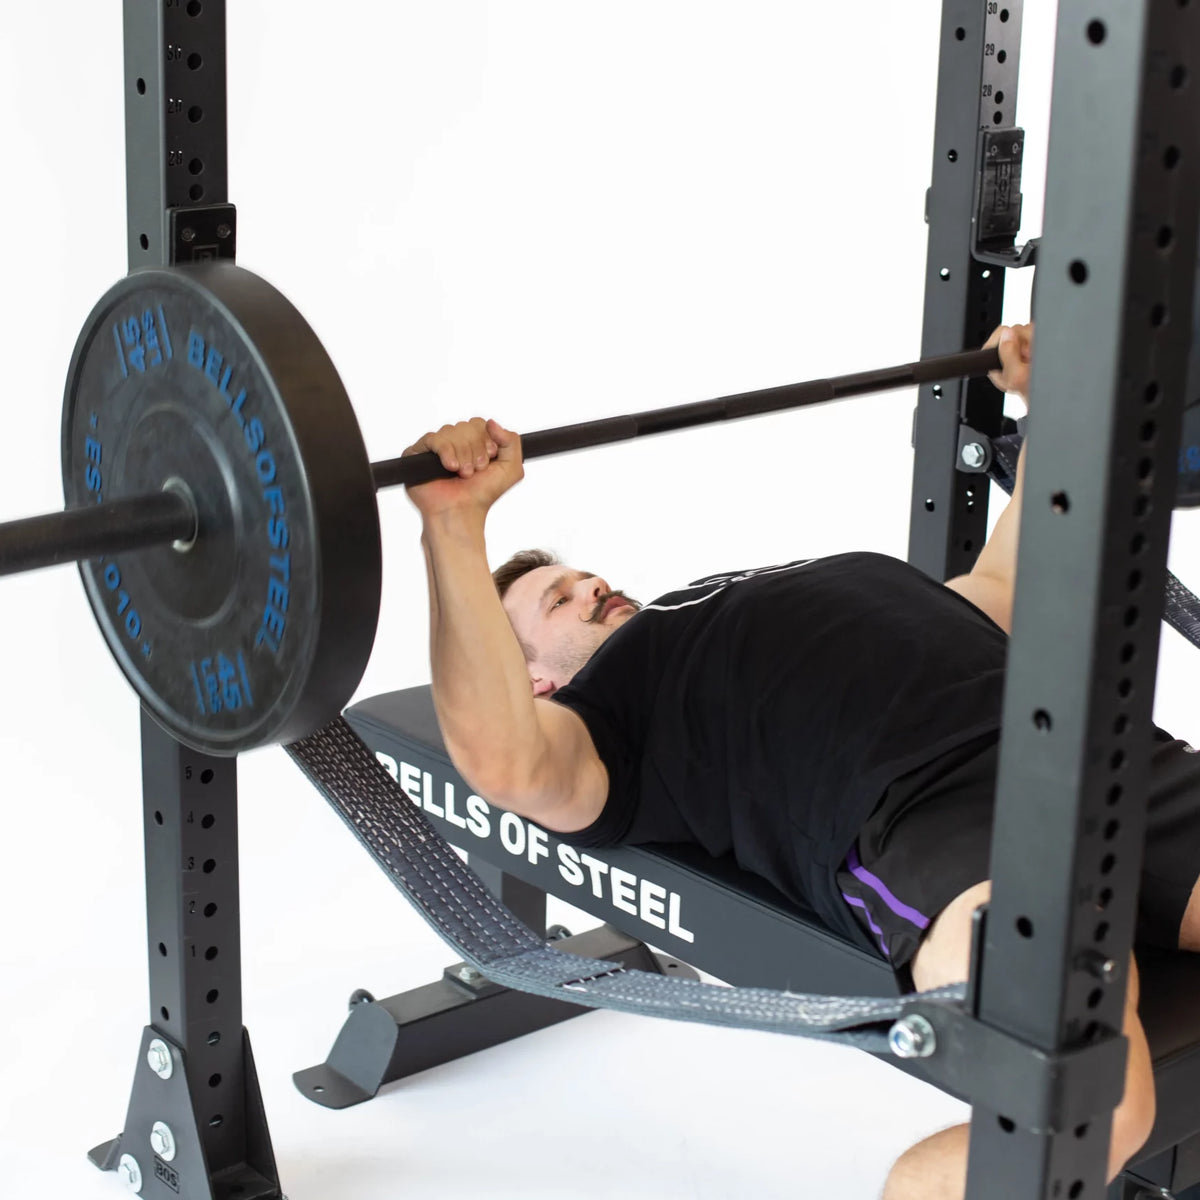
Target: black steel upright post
<point x="977" y="92"/>
<point x="195" y="1127"/>
<point x="1115" y="296"/>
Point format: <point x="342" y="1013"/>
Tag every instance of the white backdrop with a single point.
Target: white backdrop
<point x="544" y="212"/>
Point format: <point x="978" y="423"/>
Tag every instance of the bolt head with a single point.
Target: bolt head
<point x="912" y="1037"/>
<point x="162" y="1141"/>
<point x="130" y="1173"/>
<point x="469" y="975"/>
<point x="223" y="231"/>
<point x="1109" y="971"/>
<point x="160" y="1060"/>
<point x="974" y="455"/>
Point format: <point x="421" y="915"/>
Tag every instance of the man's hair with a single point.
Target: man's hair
<point x="521" y="564"/>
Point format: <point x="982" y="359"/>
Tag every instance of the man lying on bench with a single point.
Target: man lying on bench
<point x="832" y="723"/>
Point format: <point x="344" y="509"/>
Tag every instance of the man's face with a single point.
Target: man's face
<point x="561" y="617"/>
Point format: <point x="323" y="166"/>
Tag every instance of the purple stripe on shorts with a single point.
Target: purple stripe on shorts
<point x="857" y="903"/>
<point x="881" y="890"/>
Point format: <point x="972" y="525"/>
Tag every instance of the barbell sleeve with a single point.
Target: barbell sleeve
<point x="415" y="469"/>
<point x="101" y="529"/>
<point x="139" y="522"/>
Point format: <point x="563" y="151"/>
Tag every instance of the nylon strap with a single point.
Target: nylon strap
<point x="456" y="902"/>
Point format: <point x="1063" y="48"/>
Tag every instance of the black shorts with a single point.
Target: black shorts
<point x="929" y="840"/>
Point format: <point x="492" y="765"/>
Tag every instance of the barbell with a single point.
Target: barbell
<point x="221" y="504"/>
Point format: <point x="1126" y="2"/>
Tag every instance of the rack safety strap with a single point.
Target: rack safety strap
<point x="455" y="901"/>
<point x="1181" y="608"/>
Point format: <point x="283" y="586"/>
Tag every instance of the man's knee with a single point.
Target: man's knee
<point x="944" y="956"/>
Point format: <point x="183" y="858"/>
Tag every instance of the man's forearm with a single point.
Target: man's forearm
<point x="998" y="558"/>
<point x="481" y="686"/>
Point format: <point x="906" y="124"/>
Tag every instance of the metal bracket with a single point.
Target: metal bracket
<point x="204" y="234"/>
<point x="1043" y="1092"/>
<point x="998" y="201"/>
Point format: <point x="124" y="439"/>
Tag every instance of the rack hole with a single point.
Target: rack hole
<point x="1060" y="503"/>
<point x="1166" y="235"/>
<point x="944" y="274"/>
<point x="214" y="1081"/>
<point x="997" y="116"/>
<point x="194" y="8"/>
<point x="1137" y="544"/>
<point x="1081" y="1131"/>
<point x="141" y="87"/>
<point x="1151" y="394"/>
<point x="216" y="1122"/>
<point x="207" y="821"/>
<point x="1079" y="271"/>
<point x="1158" y="316"/>
<point x="210" y="865"/>
<point x="195" y="62"/>
<point x="206" y="776"/>
<point x="195" y="114"/>
<point x="1004" y="14"/>
<point x="1132" y="615"/>
<point x="1171" y="157"/>
<point x="961" y="34"/>
<point x="1101" y="931"/>
<point x="1097" y="31"/>
<point x="1107" y="863"/>
<point x="213" y="996"/>
<point x="210" y="910"/>
<point x="158" y="818"/>
<point x="1104" y="899"/>
<point x="1002" y="56"/>
<point x="1179" y="76"/>
<point x="1007" y="1125"/>
<point x="930" y="506"/>
<point x="210" y="954"/>
<point x="1114" y="795"/>
<point x="999" y="97"/>
<point x="144" y="241"/>
<point x="1125" y="689"/>
<point x="1093" y="1001"/>
<point x="166" y="1014"/>
<point x="214" y="1039"/>
<point x="196" y="191"/>
<point x="1149" y="432"/>
<point x="953" y="156"/>
<point x="1117" y="761"/>
<point x="1121" y="725"/>
<point x="1025" y="927"/>
<point x="1142" y="506"/>
<point x="1111" y="830"/>
<point x="162" y="949"/>
<point x="1076" y="1190"/>
<point x="1145" y="469"/>
<point x="1043" y="721"/>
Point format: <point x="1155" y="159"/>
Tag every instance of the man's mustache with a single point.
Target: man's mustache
<point x="599" y="608"/>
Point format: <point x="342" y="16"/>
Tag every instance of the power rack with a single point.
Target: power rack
<point x="1115" y="296"/>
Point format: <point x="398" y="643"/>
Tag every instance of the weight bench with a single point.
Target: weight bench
<point x="702" y="912"/>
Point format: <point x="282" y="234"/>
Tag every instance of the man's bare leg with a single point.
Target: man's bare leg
<point x="936" y="1169"/>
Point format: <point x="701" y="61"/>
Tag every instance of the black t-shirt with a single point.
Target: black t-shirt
<point x="763" y="714"/>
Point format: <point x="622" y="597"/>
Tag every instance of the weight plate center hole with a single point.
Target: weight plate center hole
<point x="180" y="488"/>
